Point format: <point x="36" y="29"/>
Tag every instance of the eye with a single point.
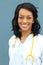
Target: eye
<point x="20" y="17"/>
<point x="28" y="17"/>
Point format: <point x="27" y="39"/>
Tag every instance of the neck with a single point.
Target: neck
<point x="26" y="33"/>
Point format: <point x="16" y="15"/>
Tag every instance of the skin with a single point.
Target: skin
<point x="25" y="21"/>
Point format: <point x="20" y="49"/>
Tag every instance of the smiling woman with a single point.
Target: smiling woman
<point x="28" y="9"/>
<point x="25" y="46"/>
<point x="25" y="20"/>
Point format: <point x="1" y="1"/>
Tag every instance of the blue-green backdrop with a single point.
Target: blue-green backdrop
<point x="7" y="8"/>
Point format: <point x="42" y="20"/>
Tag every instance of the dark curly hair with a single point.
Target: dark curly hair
<point x="35" y="27"/>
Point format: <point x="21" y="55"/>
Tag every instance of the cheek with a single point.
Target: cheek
<point x="31" y="21"/>
<point x="19" y="21"/>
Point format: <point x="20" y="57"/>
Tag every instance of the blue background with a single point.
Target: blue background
<point x="7" y="8"/>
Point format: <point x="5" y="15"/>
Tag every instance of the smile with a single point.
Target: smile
<point x="25" y="25"/>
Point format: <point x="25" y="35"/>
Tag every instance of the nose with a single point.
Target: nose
<point x="24" y="20"/>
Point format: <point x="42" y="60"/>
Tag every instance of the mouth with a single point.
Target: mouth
<point x="25" y="25"/>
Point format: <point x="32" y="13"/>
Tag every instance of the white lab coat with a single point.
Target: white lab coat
<point x="18" y="51"/>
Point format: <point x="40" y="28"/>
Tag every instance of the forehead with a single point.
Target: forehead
<point x="25" y="12"/>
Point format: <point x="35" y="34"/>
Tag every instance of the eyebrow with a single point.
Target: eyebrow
<point x="23" y="15"/>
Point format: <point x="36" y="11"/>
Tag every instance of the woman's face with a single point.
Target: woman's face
<point x="25" y="19"/>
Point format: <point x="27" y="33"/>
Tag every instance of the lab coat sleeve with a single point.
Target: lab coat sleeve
<point x="11" y="55"/>
<point x="42" y="51"/>
<point x="11" y="51"/>
<point x="40" y="39"/>
<point x="42" y="58"/>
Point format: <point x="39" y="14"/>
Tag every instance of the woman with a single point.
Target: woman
<point x="26" y="45"/>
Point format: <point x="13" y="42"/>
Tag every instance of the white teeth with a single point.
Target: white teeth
<point x="24" y="25"/>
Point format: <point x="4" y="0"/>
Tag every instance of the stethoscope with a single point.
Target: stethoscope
<point x="30" y="54"/>
<point x="27" y="57"/>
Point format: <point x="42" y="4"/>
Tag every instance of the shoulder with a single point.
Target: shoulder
<point x="11" y="40"/>
<point x="39" y="36"/>
<point x="39" y="40"/>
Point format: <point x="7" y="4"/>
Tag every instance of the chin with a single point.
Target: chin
<point x="25" y="29"/>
